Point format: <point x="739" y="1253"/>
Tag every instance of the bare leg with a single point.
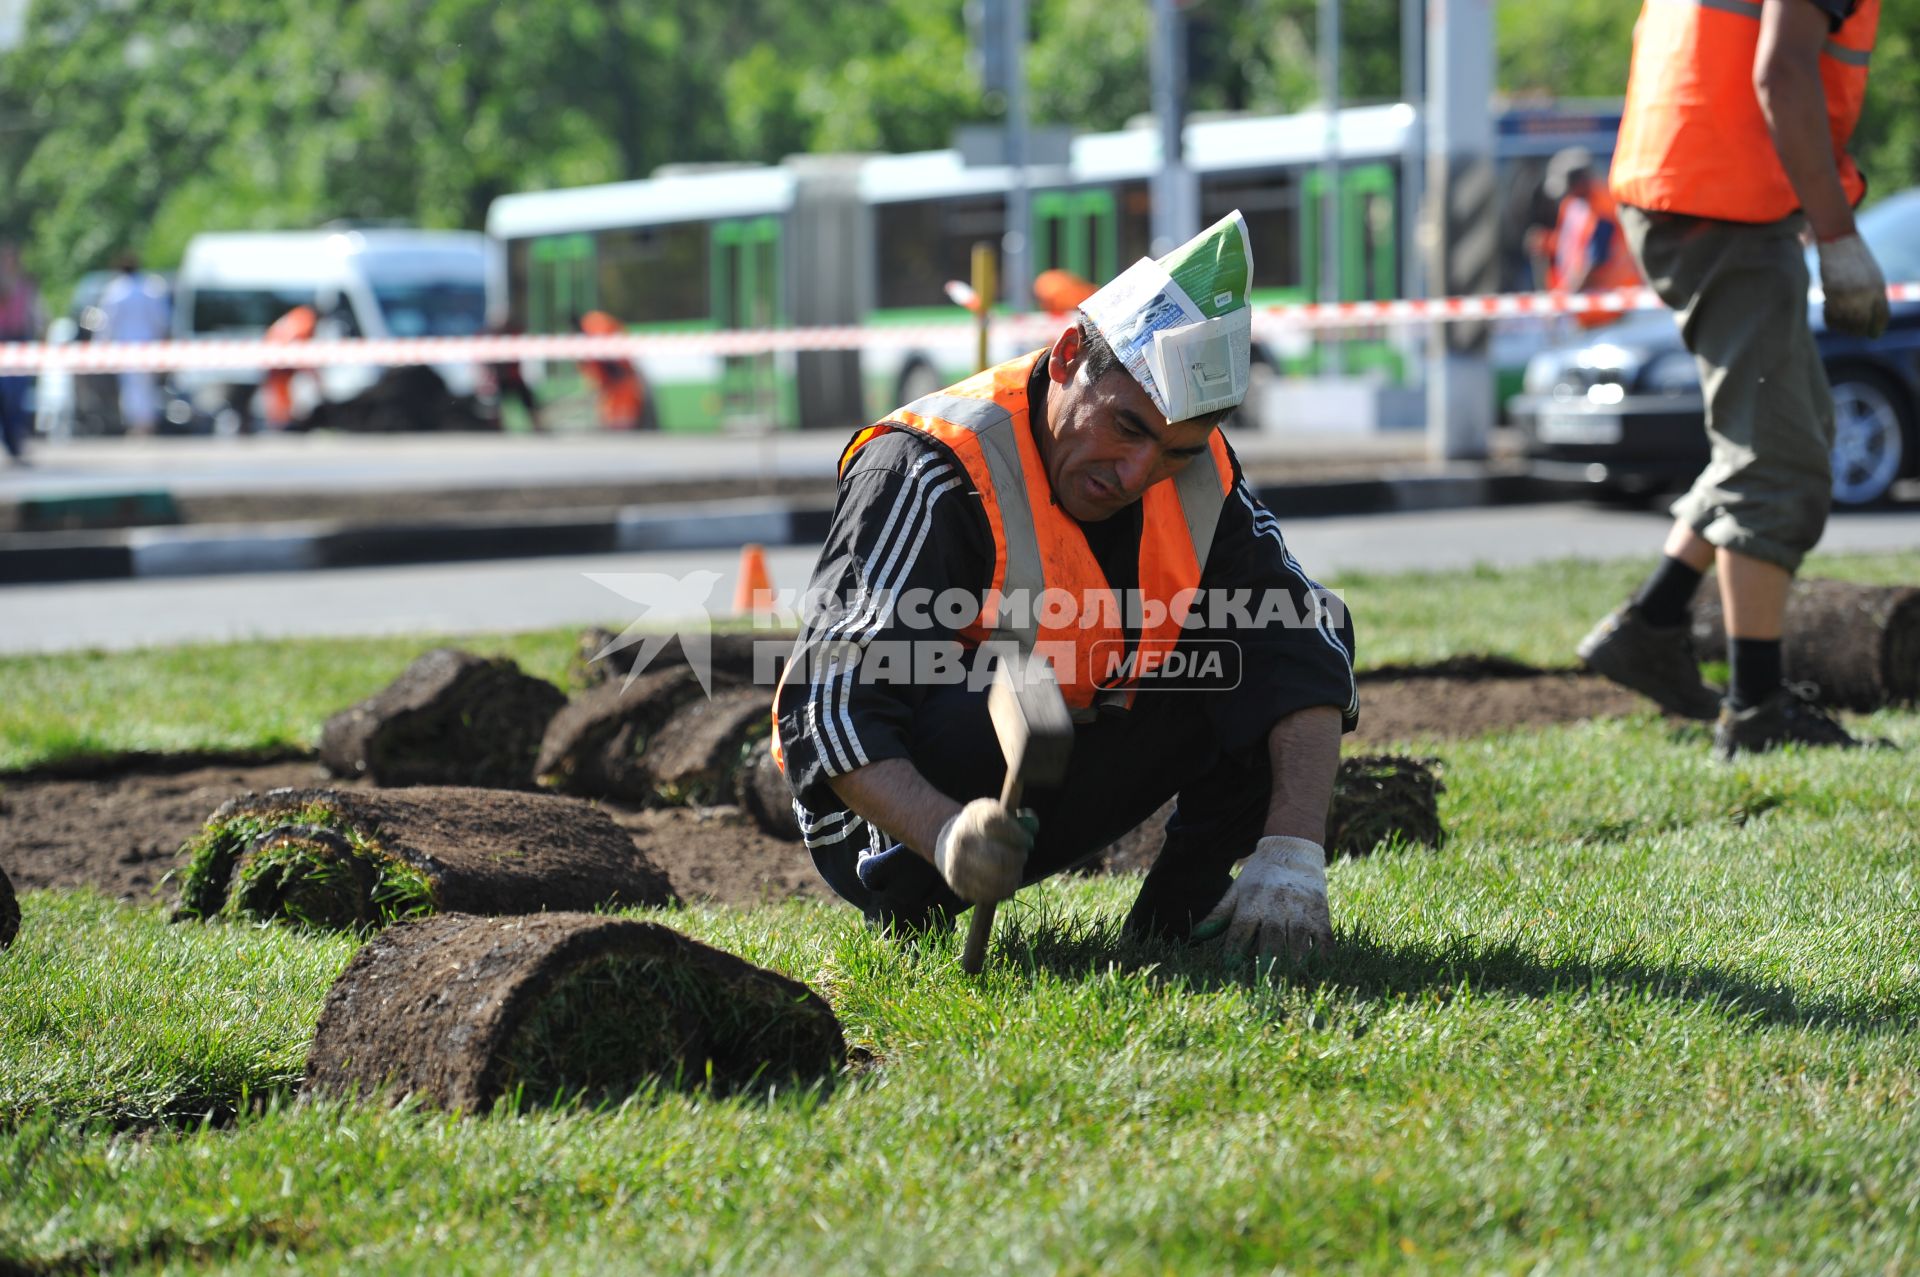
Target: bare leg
<point x="1754" y="594"/>
<point x="1688" y="546"/>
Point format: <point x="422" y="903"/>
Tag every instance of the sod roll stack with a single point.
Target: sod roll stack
<point x="9" y="911"/>
<point x="1860" y="644"/>
<point x="451" y="718"/>
<point x="659" y="741"/>
<point x="461" y="1011"/>
<point x="594" y="746"/>
<point x="358" y="859"/>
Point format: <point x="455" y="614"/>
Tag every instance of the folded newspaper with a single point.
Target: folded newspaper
<point x="1181" y="324"/>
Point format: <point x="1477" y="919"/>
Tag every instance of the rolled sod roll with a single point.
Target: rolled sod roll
<point x="696" y="757"/>
<point x="451" y="718"/>
<point x="9" y="911"/>
<point x="358" y="859"/>
<point x="1378" y="797"/>
<point x="594" y="745"/>
<point x="762" y="790"/>
<point x="1859" y="643"/>
<point x="461" y="1011"/>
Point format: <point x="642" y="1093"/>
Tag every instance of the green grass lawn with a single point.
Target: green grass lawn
<point x="1643" y="1013"/>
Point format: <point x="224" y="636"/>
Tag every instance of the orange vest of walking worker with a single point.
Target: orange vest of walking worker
<point x="276" y="387"/>
<point x="622" y="394"/>
<point x="1581" y="217"/>
<point x="1693" y="139"/>
<point x="1037" y="546"/>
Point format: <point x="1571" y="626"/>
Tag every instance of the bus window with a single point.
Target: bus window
<point x="921" y="244"/>
<point x="656" y="274"/>
<point x="1271" y="205"/>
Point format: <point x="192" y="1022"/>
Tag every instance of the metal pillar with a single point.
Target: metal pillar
<point x="1176" y="197"/>
<point x="1463" y="221"/>
<point x="1330" y="246"/>
<point x="1016" y="246"/>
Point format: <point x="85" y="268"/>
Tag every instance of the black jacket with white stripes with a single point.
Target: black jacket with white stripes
<point x="907" y="519"/>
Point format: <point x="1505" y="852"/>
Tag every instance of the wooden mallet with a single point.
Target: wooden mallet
<point x="1036" y="735"/>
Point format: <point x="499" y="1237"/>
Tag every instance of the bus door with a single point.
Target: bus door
<point x="746" y="294"/>
<point x="1369" y="266"/>
<point x="561" y="283"/>
<point x="1076" y="231"/>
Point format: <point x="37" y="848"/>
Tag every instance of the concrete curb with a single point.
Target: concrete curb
<point x="212" y="549"/>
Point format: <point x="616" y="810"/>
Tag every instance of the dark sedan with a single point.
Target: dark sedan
<point x="1622" y="410"/>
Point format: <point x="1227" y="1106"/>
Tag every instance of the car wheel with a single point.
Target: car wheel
<point x="918" y="381"/>
<point x="1869" y="438"/>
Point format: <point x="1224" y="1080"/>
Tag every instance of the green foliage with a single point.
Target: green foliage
<point x="139" y="125"/>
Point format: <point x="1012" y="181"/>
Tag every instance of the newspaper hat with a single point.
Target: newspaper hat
<point x="1181" y="325"/>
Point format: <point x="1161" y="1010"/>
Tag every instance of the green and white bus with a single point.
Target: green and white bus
<point x="872" y="240"/>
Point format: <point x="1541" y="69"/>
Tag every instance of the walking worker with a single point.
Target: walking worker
<point x="1732" y="147"/>
<point x="621" y="390"/>
<point x="137" y="308"/>
<point x="21" y="319"/>
<point x="1585" y="251"/>
<point x="276" y="387"/>
<point x="1078" y="502"/>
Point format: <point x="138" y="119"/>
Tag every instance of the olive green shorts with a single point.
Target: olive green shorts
<point x="1740" y="292"/>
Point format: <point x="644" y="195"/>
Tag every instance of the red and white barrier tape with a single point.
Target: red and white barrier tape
<point x="215" y="354"/>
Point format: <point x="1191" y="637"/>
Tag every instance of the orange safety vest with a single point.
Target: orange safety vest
<point x="276" y="386"/>
<point x="1692" y="137"/>
<point x="1038" y="547"/>
<point x="1572" y="242"/>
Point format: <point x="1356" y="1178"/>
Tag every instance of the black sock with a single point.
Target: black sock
<point x="1663" y="597"/>
<point x="1753" y="671"/>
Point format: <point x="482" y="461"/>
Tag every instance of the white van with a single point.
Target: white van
<point x="373" y="282"/>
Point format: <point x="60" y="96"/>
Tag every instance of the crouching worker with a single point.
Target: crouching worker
<point x="1080" y="502"/>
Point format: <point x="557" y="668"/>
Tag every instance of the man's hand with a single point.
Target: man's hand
<point x="1278" y="904"/>
<point x="1856" y="290"/>
<point x="982" y="851"/>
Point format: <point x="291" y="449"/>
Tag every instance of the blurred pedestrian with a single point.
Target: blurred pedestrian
<point x="276" y="386"/>
<point x="21" y="319"/>
<point x="1586" y="250"/>
<point x="136" y="310"/>
<point x="506" y="380"/>
<point x="1732" y="147"/>
<point x="621" y="388"/>
<point x="1060" y="292"/>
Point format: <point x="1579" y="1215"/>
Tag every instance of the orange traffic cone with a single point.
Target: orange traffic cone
<point x="753" y="596"/>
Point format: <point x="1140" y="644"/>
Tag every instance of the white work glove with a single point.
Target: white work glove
<point x="982" y="851"/>
<point x="1278" y="905"/>
<point x="1856" y="290"/>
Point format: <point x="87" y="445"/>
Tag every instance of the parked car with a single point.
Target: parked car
<point x="365" y="282"/>
<point x="1621" y="408"/>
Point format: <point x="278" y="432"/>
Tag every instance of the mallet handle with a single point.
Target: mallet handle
<point x="980" y="927"/>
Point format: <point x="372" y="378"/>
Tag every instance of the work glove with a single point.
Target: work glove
<point x="1278" y="905"/>
<point x="982" y="851"/>
<point x="1856" y="290"/>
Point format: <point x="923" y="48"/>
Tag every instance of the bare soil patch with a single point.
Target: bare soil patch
<point x="121" y="832"/>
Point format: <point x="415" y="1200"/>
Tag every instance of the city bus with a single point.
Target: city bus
<point x="872" y="241"/>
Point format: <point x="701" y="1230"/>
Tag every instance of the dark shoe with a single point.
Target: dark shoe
<point x="1657" y="663"/>
<point x="1788" y="717"/>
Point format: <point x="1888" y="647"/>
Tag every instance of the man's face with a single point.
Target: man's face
<point x="1106" y="443"/>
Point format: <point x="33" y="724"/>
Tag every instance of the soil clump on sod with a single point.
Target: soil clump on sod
<point x="344" y="858"/>
<point x="461" y="1011"/>
<point x="1859" y="644"/>
<point x="450" y="718"/>
<point x="122" y="831"/>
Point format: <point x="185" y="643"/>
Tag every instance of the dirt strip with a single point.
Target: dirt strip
<point x="121" y="832"/>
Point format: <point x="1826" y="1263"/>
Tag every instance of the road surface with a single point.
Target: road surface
<point x="522" y="594"/>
